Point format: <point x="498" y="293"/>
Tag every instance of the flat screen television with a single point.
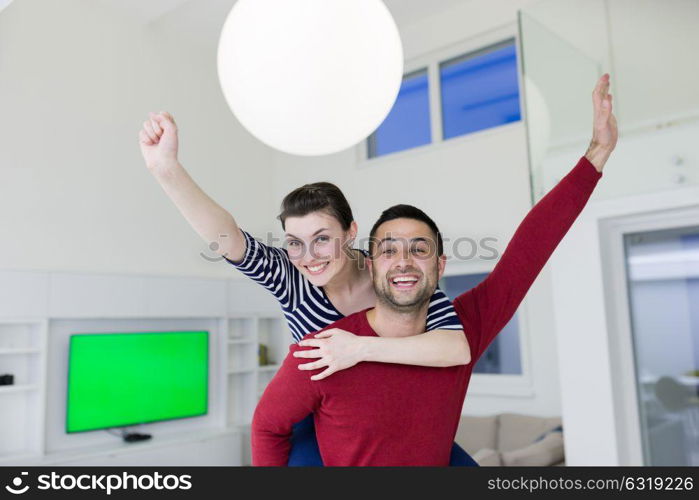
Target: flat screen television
<point x="121" y="379"/>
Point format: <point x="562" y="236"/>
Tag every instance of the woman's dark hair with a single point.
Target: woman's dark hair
<point x="319" y="196"/>
<point x="406" y="212"/>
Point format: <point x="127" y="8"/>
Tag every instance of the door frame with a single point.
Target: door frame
<point x="630" y="433"/>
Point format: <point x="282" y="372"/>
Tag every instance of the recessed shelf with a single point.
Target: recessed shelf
<point x="240" y="341"/>
<point x="240" y="371"/>
<point x="6" y="389"/>
<point x="249" y="340"/>
<point x="20" y="350"/>
<point x="268" y="368"/>
<point x="22" y="354"/>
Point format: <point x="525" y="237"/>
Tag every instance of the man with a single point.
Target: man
<point x="390" y="414"/>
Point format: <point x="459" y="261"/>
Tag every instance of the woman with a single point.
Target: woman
<point x="318" y="280"/>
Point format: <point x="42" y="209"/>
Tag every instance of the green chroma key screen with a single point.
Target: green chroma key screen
<point x="119" y="379"/>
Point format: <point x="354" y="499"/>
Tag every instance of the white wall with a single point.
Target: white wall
<point x="77" y="79"/>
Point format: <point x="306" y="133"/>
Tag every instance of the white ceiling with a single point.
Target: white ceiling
<point x="410" y="11"/>
<point x="146" y="10"/>
<point x="207" y="13"/>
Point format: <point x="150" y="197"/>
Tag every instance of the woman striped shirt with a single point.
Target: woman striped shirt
<point x="306" y="307"/>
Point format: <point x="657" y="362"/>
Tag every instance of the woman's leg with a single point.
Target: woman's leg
<point x="459" y="458"/>
<point x="304" y="445"/>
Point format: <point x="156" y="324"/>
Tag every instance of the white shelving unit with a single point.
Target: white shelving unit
<point x="40" y="310"/>
<point x="247" y="379"/>
<point x="22" y="354"/>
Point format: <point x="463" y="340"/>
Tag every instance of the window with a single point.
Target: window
<point x="480" y="90"/>
<point x="477" y="90"/>
<point x="408" y="123"/>
<point x="502" y="357"/>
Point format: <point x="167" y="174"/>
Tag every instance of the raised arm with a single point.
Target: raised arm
<point x="498" y="296"/>
<point x="159" y="144"/>
<point x="289" y="397"/>
<point x="490" y="305"/>
<point x="443" y="344"/>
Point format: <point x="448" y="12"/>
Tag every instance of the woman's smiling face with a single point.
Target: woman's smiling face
<point x="317" y="245"/>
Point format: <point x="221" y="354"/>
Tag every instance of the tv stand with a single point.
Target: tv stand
<point x="135" y="436"/>
<point x="129" y="437"/>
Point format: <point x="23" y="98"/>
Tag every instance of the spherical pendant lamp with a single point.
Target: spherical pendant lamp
<point x="310" y="77"/>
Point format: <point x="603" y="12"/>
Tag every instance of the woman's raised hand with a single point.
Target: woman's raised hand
<point x="158" y="141"/>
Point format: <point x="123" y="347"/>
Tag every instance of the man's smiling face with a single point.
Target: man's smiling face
<point x="405" y="266"/>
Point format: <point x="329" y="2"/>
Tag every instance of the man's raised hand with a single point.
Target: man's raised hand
<point x="604" y="129"/>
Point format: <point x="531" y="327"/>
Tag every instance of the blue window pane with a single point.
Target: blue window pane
<point x="503" y="355"/>
<point x="480" y="90"/>
<point x="408" y="123"/>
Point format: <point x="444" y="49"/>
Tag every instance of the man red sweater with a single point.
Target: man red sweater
<point x="389" y="414"/>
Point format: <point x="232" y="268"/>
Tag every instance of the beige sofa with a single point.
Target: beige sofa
<point x="512" y="439"/>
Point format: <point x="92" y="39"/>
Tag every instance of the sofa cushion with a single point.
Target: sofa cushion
<point x="475" y="433"/>
<point x="487" y="457"/>
<point x="517" y="431"/>
<point x="546" y="452"/>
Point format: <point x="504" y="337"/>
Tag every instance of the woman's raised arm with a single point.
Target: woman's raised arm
<point x="159" y="145"/>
